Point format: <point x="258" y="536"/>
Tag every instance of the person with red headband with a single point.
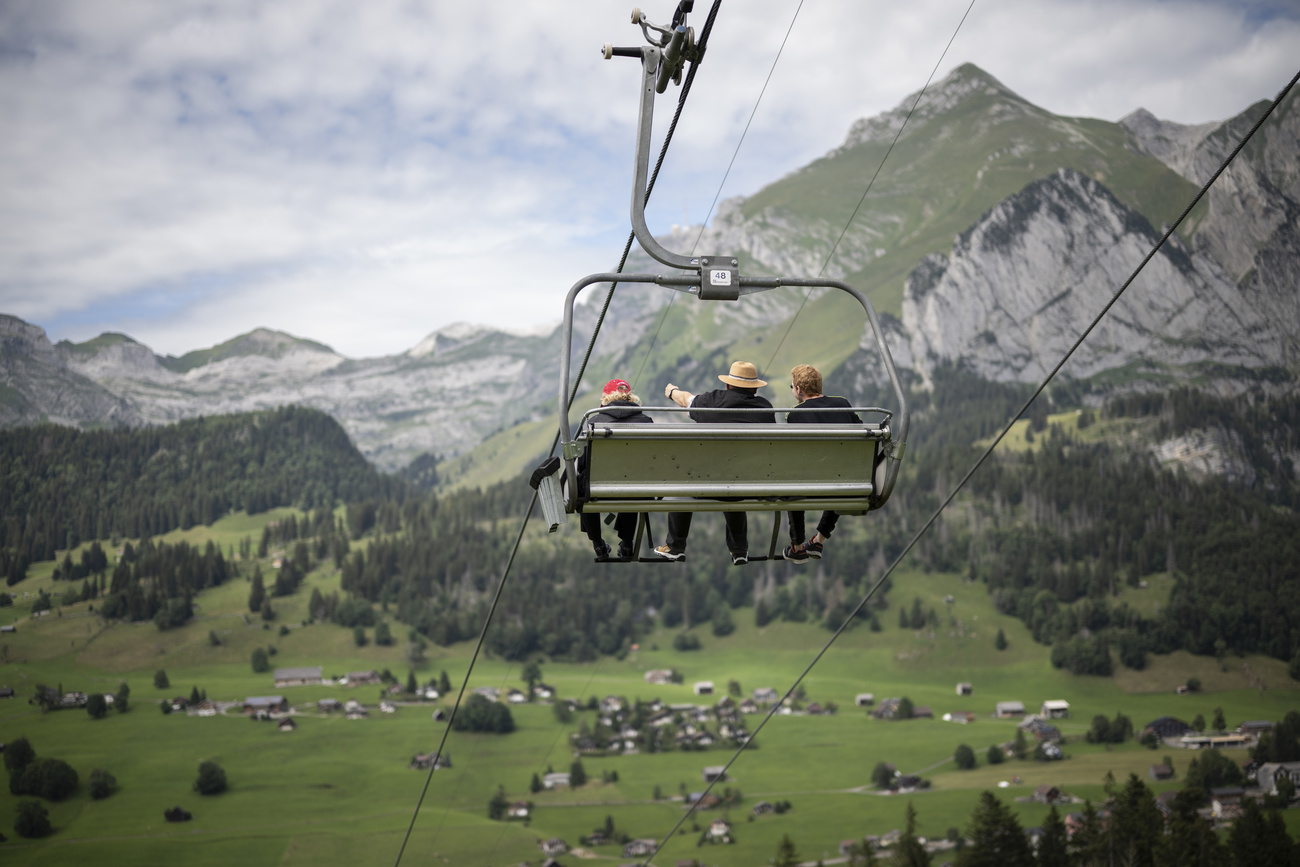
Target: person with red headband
<point x="618" y="406"/>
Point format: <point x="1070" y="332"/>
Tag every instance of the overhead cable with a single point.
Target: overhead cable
<point x="514" y="549"/>
<point x="849" y="618"/>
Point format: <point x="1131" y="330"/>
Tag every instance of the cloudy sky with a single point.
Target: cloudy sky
<point x="365" y="173"/>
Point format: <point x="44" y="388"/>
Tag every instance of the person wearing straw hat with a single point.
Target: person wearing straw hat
<point x="741" y="393"/>
<point x="618" y="406"/>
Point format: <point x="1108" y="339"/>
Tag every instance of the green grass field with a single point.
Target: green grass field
<point x="339" y="791"/>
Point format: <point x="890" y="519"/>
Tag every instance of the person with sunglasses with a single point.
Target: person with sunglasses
<point x="815" y="408"/>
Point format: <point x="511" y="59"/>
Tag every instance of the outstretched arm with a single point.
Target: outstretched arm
<point x="677" y="396"/>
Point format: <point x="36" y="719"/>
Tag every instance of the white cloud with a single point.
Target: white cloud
<point x="364" y="173"/>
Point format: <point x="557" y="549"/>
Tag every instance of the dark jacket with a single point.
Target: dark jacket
<point x="620" y="412"/>
<point x="728" y="398"/>
<point x="827" y="417"/>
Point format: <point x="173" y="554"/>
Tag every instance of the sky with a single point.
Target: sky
<point x="363" y="174"/>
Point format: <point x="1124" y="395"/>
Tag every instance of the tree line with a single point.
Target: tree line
<point x="63" y="486"/>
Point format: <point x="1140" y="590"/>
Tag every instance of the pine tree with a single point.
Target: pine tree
<point x="997" y="838"/>
<point x="1135" y="824"/>
<point x="257" y="595"/>
<point x="910" y="852"/>
<point x="577" y="775"/>
<point x="1054" y="845"/>
<point x="1001" y="641"/>
<point x="786" y="854"/>
<point x="1260" y="837"/>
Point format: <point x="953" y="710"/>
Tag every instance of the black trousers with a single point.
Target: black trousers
<point x="624" y="525"/>
<point x="679" y="526"/>
<point x="825" y="526"/>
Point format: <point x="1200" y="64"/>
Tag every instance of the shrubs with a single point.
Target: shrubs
<point x="212" y="779"/>
<point x="32" y="819"/>
<point x="260" y="660"/>
<point x="1106" y="731"/>
<point x="481" y="715"/>
<point x="52" y="779"/>
<point x="102" y="784"/>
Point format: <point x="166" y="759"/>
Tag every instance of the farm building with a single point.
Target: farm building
<point x="1055" y="709"/>
<point x="1009" y="709"/>
<point x="1166" y="727"/>
<point x="713" y="772"/>
<point x="864" y="699"/>
<point x="304" y="676"/>
<point x="965" y="689"/>
<point x="659" y="677"/>
<point x="704" y="687"/>
<point x="287" y="724"/>
<point x="1270" y="772"/>
<point x="266" y="703"/>
<point x="363" y="678"/>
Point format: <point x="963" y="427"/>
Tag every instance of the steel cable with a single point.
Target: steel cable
<point x="849" y="618"/>
<point x="505" y="573"/>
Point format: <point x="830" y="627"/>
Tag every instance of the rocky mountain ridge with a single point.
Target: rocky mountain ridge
<point x="1002" y="226"/>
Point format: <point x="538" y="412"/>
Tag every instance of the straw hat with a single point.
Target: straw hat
<point x="742" y="375"/>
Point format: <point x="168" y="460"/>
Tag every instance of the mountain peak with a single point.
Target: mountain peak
<point x="962" y="84"/>
<point x="264" y="342"/>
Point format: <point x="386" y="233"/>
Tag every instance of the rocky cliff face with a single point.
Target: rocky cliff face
<point x="1021" y="284"/>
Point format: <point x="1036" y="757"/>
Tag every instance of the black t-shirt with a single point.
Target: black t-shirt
<point x="826" y="417"/>
<point x="729" y="398"/>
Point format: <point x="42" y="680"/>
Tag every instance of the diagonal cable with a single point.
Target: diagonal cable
<point x="808" y="292"/>
<point x="496" y="598"/>
<point x="987" y="452"/>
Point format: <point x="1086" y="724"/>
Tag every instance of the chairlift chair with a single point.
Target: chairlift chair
<point x="688" y="467"/>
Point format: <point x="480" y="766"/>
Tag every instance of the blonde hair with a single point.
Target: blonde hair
<point x="619" y="395"/>
<point x="807" y="378"/>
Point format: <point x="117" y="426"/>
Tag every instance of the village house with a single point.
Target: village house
<point x="362" y="678"/>
<point x="491" y="693"/>
<point x="1055" y="709"/>
<point x="305" y="676"/>
<point x="748" y="706"/>
<point x="1049" y="794"/>
<point x="922" y="711"/>
<point x="556" y="780"/>
<point x="287" y="724"/>
<point x="424" y="761"/>
<point x="1042" y="731"/>
<point x="1223" y="799"/>
<point x="714" y="772"/>
<point x="965" y="689"/>
<point x="207" y="707"/>
<point x="554" y="846"/>
<point x="659" y="677"/>
<point x="639" y="848"/>
<point x="544" y="691"/>
<point x="765" y="695"/>
<point x="515" y="696"/>
<point x="267" y="703"/>
<point x="1009" y="709"/>
<point x="325" y="705"/>
<point x="1160" y="772"/>
<point x="887" y="709"/>
<point x="517" y="810"/>
<point x="1166" y="727"/>
<point x="720" y="831"/>
<point x="6" y="692"/>
<point x="762" y="808"/>
<point x="1270" y="772"/>
<point x="964" y="717"/>
<point x="1255" y="728"/>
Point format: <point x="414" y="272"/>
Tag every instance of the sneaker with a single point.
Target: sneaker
<point x="813" y="550"/>
<point x="668" y="554"/>
<point x="795" y="556"/>
<point x="739" y="559"/>
<point x="625" y="550"/>
<point x="602" y="550"/>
